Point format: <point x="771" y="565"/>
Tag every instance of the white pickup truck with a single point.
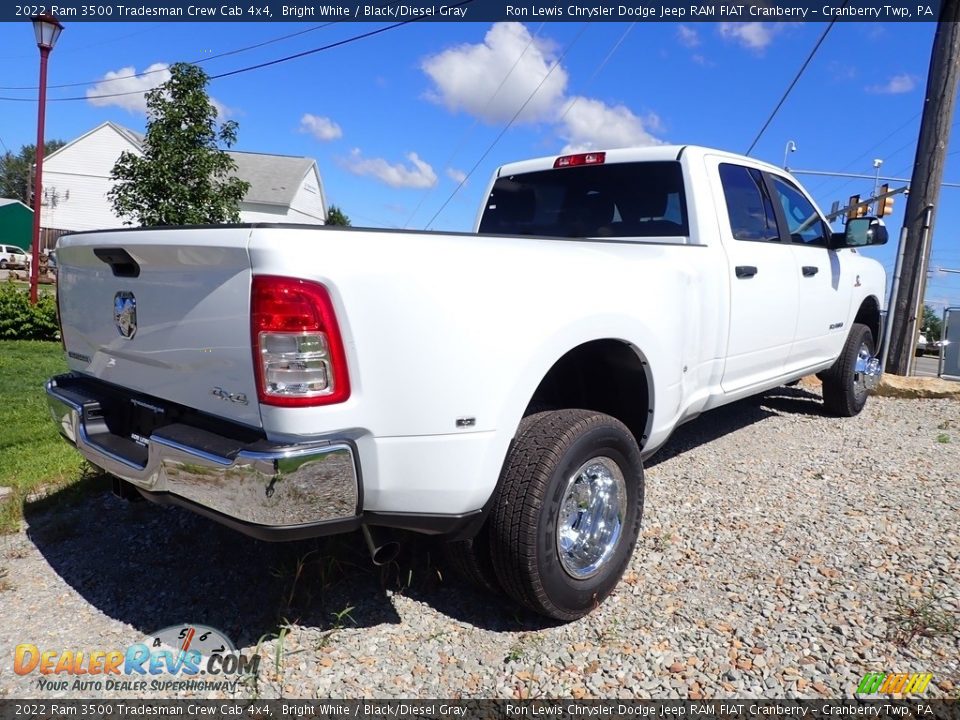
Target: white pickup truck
<point x="499" y="388"/>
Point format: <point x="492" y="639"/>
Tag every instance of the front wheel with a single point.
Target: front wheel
<point x="568" y="511"/>
<point x="847" y="384"/>
<point x="3" y="264"/>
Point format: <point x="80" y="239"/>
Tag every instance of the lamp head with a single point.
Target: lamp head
<point x="47" y="29"/>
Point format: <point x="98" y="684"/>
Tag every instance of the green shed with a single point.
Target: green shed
<point x="16" y="223"/>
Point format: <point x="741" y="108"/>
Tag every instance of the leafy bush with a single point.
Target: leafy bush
<point x="19" y="320"/>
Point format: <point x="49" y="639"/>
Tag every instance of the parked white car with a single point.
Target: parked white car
<point x="499" y="389"/>
<point x="13" y="258"/>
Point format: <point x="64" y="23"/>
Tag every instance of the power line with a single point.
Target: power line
<point x="507" y="126"/>
<point x="71" y="50"/>
<point x="237" y="51"/>
<point x="796" y="78"/>
<point x="249" y="68"/>
<point x="470" y="129"/>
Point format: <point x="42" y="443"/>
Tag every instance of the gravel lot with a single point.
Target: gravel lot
<point x="784" y="554"/>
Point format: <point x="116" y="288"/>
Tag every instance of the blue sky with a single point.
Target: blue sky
<point x="395" y="121"/>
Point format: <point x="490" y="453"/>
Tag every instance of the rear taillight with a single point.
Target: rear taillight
<point x="298" y="353"/>
<point x="594" y="158"/>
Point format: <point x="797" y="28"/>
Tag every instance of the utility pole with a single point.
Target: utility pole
<point x="928" y="165"/>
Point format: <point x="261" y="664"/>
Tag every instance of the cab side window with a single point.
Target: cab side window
<point x="803" y="221"/>
<point x="748" y="204"/>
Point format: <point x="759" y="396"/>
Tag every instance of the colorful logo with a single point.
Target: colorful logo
<point x="186" y="651"/>
<point x="894" y="683"/>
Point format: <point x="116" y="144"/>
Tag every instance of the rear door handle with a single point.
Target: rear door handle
<point x="746" y="271"/>
<point x="810" y="270"/>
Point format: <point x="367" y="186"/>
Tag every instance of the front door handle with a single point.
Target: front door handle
<point x="810" y="270"/>
<point x="746" y="271"/>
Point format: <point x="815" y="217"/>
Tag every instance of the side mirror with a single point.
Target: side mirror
<point x="861" y="232"/>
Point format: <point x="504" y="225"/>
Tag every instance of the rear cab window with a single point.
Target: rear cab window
<point x="749" y="206"/>
<point x="618" y="200"/>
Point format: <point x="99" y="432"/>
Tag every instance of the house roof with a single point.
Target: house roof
<point x="134" y="138"/>
<point x="274" y="179"/>
<point x="7" y="201"/>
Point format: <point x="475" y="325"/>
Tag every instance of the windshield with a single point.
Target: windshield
<point x="643" y="199"/>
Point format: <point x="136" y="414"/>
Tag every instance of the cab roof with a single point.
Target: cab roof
<point x="652" y="153"/>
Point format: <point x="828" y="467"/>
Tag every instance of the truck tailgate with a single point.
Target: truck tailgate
<point x="164" y="313"/>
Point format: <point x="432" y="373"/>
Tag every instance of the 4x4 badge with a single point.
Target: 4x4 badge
<point x="125" y="314"/>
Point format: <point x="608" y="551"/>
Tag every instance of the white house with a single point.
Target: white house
<point x="76" y="178"/>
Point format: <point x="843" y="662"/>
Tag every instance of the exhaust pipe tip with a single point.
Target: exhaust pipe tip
<point x="382" y="550"/>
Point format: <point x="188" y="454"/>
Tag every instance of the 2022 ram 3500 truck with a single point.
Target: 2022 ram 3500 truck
<point x="499" y="389"/>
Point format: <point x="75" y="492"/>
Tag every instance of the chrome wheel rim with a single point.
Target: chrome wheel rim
<point x="591" y="515"/>
<point x="860" y="379"/>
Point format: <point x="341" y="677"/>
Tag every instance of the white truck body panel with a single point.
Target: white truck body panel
<point x="440" y="326"/>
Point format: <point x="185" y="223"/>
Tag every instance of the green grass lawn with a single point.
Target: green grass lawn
<point x="32" y="453"/>
<point x="42" y="288"/>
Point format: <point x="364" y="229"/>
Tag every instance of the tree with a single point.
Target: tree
<point x="932" y="325"/>
<point x="183" y="177"/>
<point x="336" y="216"/>
<point x="15" y="171"/>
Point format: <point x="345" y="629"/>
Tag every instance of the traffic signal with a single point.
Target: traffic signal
<point x="854" y="209"/>
<point x="884" y="204"/>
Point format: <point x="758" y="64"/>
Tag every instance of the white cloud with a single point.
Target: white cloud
<point x="469" y="78"/>
<point x="491" y="80"/>
<point x="418" y="174"/>
<point x="120" y="81"/>
<point x="897" y="85"/>
<point x="590" y="124"/>
<point x="842" y="72"/>
<point x="458" y="176"/>
<point x="322" y="128"/>
<point x="128" y="91"/>
<point x="752" y="35"/>
<point x="687" y="36"/>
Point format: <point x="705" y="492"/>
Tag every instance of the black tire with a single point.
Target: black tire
<point x="3" y="264"/>
<point x="550" y="450"/>
<point x="842" y="394"/>
<point x="471" y="560"/>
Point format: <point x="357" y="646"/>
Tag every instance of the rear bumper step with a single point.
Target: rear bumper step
<point x="270" y="491"/>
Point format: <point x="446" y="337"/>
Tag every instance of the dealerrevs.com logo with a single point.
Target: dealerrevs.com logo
<point x="179" y="657"/>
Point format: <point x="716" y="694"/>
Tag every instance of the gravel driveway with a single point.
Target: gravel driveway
<point x="784" y="553"/>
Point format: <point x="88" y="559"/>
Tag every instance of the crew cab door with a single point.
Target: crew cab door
<point x="824" y="295"/>
<point x="762" y="275"/>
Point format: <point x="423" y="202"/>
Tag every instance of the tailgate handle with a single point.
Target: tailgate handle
<point x="119" y="260"/>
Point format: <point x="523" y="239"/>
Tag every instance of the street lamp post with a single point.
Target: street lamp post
<point x="790" y="147"/>
<point x="47" y="29"/>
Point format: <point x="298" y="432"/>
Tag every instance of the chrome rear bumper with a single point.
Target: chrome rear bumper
<point x="313" y="487"/>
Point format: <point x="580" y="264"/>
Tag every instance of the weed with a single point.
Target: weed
<point x="339" y="616"/>
<point x="16" y="553"/>
<point x="943" y="438"/>
<point x="278" y="651"/>
<point x="338" y="624"/>
<point x="522" y="647"/>
<point x="5" y="583"/>
<point x="609" y="632"/>
<point x="945" y="425"/>
<point x="662" y="540"/>
<point x="922" y="617"/>
<point x="516" y="653"/>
